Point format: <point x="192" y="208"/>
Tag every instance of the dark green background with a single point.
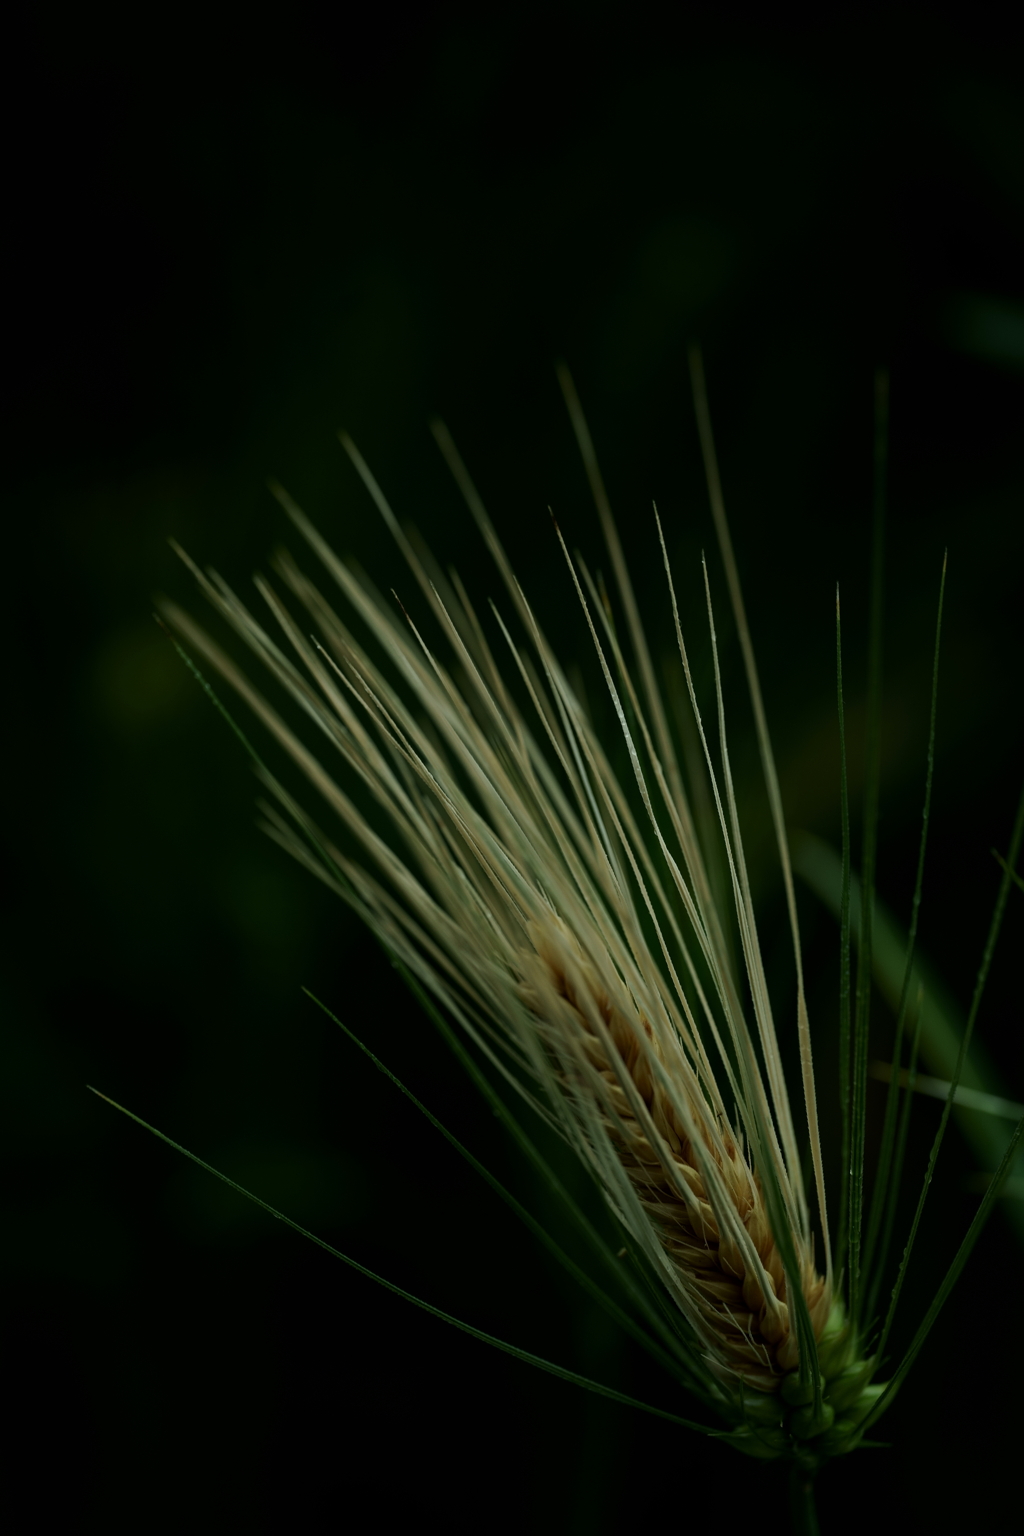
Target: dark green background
<point x="229" y="241"/>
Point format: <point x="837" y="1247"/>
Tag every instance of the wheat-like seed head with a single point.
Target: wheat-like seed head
<point x="689" y="1174"/>
<point x="567" y="920"/>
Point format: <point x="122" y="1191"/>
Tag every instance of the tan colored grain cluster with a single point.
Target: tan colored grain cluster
<point x="748" y="1338"/>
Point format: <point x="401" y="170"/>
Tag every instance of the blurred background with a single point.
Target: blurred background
<point x="226" y="243"/>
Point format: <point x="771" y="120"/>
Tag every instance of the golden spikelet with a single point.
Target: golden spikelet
<point x="738" y="1301"/>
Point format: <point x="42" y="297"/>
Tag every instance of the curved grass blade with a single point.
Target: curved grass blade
<point x="476" y="1333"/>
<point x="938" y="1088"/>
<point x="580" y="1275"/>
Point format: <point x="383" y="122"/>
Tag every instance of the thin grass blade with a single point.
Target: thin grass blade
<point x="979" y="988"/>
<point x="585" y="1281"/>
<point x="940" y="1022"/>
<point x="845" y="1100"/>
<point x="884" y="1185"/>
<point x="445" y="1317"/>
<point x="869" y="834"/>
<point x="952" y="1274"/>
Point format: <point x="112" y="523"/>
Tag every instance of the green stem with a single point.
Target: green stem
<point x="801" y="1501"/>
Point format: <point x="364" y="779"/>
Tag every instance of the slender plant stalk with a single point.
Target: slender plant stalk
<point x="898" y="1158"/>
<point x="803" y="1513"/>
<point x="845" y="1099"/>
<point x="872" y="779"/>
<point x="885" y="1186"/>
